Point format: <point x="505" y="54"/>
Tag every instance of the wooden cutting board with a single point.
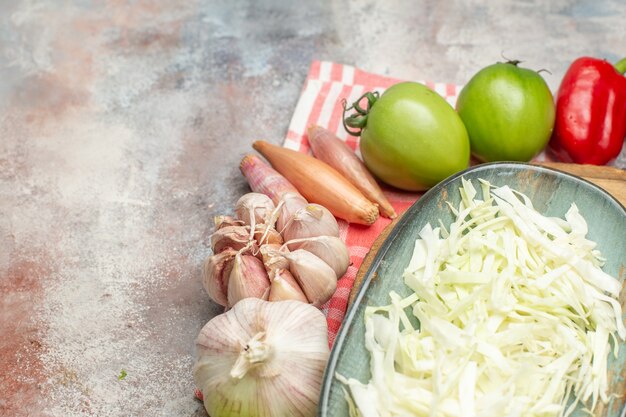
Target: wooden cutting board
<point x="612" y="180"/>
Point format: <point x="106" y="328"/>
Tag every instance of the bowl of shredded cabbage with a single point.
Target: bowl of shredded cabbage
<point x="499" y="293"/>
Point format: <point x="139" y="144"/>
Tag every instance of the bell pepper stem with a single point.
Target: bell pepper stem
<point x="621" y="66"/>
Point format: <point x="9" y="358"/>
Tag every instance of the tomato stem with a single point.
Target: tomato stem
<point x="358" y="120"/>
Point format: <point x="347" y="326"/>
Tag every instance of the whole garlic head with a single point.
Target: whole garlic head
<point x="263" y="358"/>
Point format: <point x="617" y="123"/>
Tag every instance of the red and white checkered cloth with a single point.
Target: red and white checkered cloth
<point x="320" y="103"/>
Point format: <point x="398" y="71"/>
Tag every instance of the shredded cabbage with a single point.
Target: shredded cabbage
<point x="515" y="314"/>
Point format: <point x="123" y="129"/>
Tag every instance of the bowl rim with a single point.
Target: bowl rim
<point x="433" y="192"/>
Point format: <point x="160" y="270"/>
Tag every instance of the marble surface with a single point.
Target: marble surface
<point x="122" y="124"/>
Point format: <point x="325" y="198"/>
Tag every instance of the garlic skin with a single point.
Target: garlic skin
<point x="316" y="278"/>
<point x="330" y="249"/>
<point x="311" y="221"/>
<point x="267" y="235"/>
<point x="254" y="208"/>
<point x="272" y="258"/>
<point x="285" y="287"/>
<point x="216" y="273"/>
<point x="247" y="279"/>
<point x="224" y="221"/>
<point x="234" y="237"/>
<point x="262" y="359"/>
<point x="290" y="203"/>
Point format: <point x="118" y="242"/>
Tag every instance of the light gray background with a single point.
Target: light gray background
<point x="122" y="124"/>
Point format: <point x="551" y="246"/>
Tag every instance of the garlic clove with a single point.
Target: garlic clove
<point x="254" y="208"/>
<point x="311" y="221"/>
<point x="285" y="287"/>
<point x="265" y="234"/>
<point x="269" y="250"/>
<point x="290" y="204"/>
<point x="216" y="273"/>
<point x="330" y="249"/>
<point x="247" y="279"/>
<point x="272" y="257"/>
<point x="234" y="237"/>
<point x="224" y="221"/>
<point x="316" y="278"/>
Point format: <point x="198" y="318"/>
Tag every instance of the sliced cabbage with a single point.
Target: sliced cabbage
<point x="515" y="314"/>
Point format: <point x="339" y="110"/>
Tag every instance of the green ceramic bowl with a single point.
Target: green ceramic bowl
<point x="551" y="192"/>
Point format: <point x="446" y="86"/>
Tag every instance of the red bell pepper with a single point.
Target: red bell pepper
<point x="590" y="123"/>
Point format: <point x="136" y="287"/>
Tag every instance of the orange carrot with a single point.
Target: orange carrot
<point x="332" y="150"/>
<point x="319" y="183"/>
<point x="264" y="179"/>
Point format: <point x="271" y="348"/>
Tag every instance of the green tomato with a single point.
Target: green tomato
<point x="412" y="138"/>
<point x="508" y="112"/>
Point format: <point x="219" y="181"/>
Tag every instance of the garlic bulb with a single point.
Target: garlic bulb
<point x="247" y="279"/>
<point x="254" y="208"/>
<point x="285" y="287"/>
<point x="311" y="221"/>
<point x="254" y="264"/>
<point x="234" y="237"/>
<point x="317" y="280"/>
<point x="216" y="273"/>
<point x="330" y="249"/>
<point x="262" y="359"/>
<point x="290" y="203"/>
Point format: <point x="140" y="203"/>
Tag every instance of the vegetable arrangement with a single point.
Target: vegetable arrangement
<point x="515" y="314"/>
<point x="501" y="272"/>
